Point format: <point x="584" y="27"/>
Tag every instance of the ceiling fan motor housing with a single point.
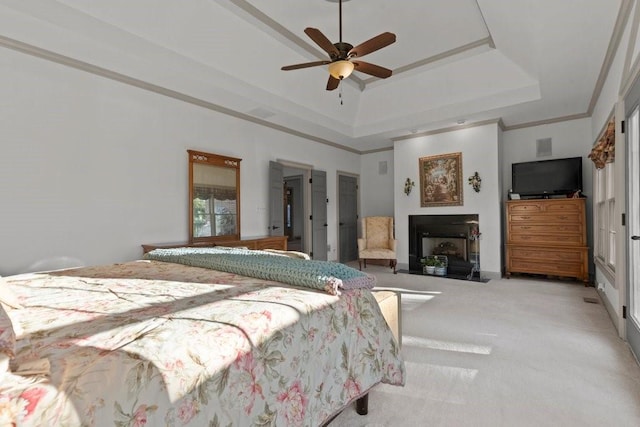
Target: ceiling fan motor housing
<point x="341" y="53"/>
<point x="344" y="49"/>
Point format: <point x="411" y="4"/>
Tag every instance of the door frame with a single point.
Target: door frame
<point x="305" y="170"/>
<point x="631" y="327"/>
<point x="358" y="230"/>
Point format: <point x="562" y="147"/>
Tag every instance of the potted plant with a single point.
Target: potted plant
<point x="440" y="268"/>
<point x="429" y="265"/>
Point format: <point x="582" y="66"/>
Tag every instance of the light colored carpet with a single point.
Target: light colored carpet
<point x="510" y="352"/>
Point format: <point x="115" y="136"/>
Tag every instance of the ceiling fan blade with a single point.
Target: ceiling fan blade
<point x="371" y="45"/>
<point x="304" y="65"/>
<point x="322" y="41"/>
<point x="372" y="69"/>
<point x="332" y="83"/>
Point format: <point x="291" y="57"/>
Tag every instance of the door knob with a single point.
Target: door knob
<point x="342" y="223"/>
<point x="274" y="227"/>
<point x="635" y="237"/>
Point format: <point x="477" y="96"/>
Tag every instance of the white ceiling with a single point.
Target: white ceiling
<point x="520" y="61"/>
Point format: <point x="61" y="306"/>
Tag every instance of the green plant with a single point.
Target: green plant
<point x="432" y="262"/>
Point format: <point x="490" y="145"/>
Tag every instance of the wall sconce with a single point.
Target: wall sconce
<point x="408" y="186"/>
<point x="475" y="181"/>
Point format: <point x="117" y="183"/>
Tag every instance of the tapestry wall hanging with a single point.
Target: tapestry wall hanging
<point x="441" y="180"/>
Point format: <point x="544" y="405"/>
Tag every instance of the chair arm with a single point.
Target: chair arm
<point x="393" y="244"/>
<point x="362" y="244"/>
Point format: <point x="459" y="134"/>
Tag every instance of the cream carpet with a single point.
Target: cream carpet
<point x="510" y="352"/>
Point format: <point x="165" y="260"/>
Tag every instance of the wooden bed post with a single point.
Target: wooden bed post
<point x="362" y="405"/>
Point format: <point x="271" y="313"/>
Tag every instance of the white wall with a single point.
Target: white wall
<point x="568" y="139"/>
<point x="91" y="168"/>
<point x="479" y="147"/>
<point x="376" y="189"/>
<point x="611" y="99"/>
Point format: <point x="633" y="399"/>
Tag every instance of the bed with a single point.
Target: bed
<point x="158" y="342"/>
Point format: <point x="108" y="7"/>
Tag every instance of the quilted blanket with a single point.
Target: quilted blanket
<point x="324" y="275"/>
<point x="163" y="344"/>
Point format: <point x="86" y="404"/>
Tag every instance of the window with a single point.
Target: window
<point x="605" y="236"/>
<point x="214" y="211"/>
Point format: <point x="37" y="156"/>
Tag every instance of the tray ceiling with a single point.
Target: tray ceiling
<point x="454" y="60"/>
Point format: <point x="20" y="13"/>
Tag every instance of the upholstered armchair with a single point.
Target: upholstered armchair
<point x="377" y="241"/>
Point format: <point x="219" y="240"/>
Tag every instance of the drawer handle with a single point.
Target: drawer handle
<point x="525" y="227"/>
<point x="526" y="217"/>
<point x="563" y="217"/>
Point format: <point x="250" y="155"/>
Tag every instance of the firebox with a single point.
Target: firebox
<point x="454" y="236"/>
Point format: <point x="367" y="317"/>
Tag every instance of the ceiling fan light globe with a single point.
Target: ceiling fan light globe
<point x="341" y="69"/>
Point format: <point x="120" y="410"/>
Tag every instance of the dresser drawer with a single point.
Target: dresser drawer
<point x="569" y="205"/>
<point x="568" y="269"/>
<point x="530" y="228"/>
<point x="547" y="238"/>
<point x="546" y="218"/>
<point x="524" y="207"/>
<point x="545" y="206"/>
<point x="526" y="253"/>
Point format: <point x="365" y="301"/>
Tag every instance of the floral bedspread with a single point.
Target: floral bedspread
<point x="153" y="343"/>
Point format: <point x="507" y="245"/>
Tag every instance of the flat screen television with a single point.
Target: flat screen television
<point x="547" y="177"/>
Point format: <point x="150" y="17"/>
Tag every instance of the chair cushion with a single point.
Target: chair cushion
<point x="378" y="232"/>
<point x="377" y="254"/>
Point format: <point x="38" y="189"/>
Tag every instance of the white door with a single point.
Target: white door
<point x="348" y="218"/>
<point x="632" y="132"/>
<point x="276" y="198"/>
<point x="319" y="215"/>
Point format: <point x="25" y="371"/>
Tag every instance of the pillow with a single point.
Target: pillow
<point x="7" y="340"/>
<point x="7" y="297"/>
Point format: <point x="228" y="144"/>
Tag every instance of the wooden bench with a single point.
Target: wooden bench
<point x="389" y="302"/>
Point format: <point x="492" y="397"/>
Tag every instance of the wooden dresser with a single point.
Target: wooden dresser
<point x="268" y="242"/>
<point x="547" y="236"/>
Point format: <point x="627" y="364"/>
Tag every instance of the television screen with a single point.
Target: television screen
<point x="546" y="177"/>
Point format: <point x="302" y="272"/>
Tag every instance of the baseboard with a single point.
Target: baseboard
<point x="611" y="312"/>
<point x="490" y="275"/>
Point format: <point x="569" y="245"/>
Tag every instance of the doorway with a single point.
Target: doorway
<point x="632" y="120"/>
<point x="313" y="197"/>
<point x="347" y="217"/>
<point x="294" y="212"/>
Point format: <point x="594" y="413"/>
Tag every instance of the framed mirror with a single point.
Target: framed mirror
<point x="214" y="197"/>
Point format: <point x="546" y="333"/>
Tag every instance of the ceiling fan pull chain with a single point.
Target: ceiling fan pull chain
<point x="340" y="94"/>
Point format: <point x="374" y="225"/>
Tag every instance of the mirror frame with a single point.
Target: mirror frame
<point x="200" y="157"/>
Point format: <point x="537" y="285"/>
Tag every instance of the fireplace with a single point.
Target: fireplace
<point x="454" y="236"/>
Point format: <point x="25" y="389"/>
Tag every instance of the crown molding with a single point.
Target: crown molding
<point x="548" y="121"/>
<point x="439" y="57"/>
<point x="614" y="42"/>
<point x="377" y="150"/>
<point x="447" y="129"/>
<point x="161" y="90"/>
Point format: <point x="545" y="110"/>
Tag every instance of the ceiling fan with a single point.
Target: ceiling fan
<point x="341" y="54"/>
